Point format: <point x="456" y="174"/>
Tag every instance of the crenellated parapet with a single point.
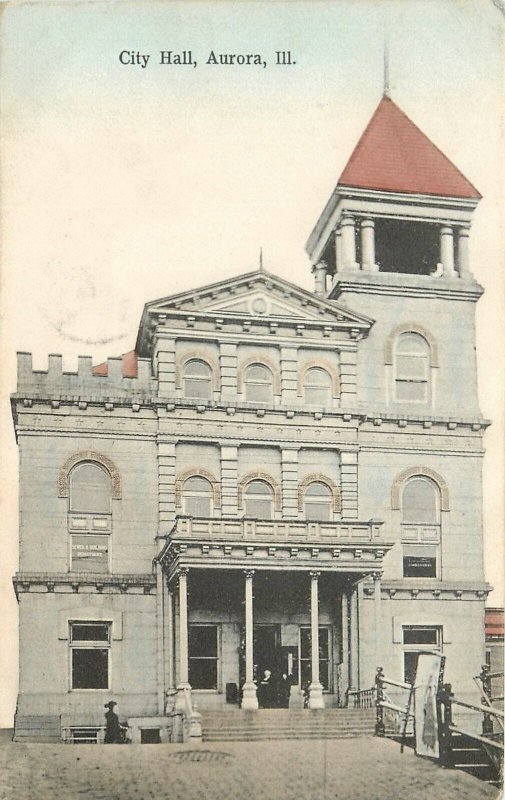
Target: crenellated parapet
<point x="84" y="383"/>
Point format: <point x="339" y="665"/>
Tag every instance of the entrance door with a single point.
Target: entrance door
<point x="267" y="649"/>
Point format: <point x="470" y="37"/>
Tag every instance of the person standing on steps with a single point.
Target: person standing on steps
<point x="113" y="733"/>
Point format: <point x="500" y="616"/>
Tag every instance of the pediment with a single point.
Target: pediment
<point x="262" y="295"/>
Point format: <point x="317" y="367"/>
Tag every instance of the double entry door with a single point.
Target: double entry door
<point x="293" y="660"/>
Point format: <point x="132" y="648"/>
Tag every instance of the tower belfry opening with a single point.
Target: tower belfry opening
<point x="400" y="206"/>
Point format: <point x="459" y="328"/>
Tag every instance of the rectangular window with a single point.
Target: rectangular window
<point x="417" y="639"/>
<point x="203" y="656"/>
<point x="89" y="654"/>
<point x="306" y="656"/>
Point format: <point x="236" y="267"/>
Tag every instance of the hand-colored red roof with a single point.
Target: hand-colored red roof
<point x="128" y="366"/>
<point x="393" y="155"/>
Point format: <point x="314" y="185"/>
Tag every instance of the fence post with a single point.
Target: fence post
<point x="487" y="720"/>
<point x="380" y="729"/>
<point x="444" y="707"/>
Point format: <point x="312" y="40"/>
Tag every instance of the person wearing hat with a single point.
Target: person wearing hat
<point x="113" y="733"/>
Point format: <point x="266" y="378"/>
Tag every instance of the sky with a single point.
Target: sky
<point x="122" y="184"/>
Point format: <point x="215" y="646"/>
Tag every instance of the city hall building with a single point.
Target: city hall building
<point x="273" y="478"/>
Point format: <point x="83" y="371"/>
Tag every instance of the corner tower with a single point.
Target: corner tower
<point x="392" y="243"/>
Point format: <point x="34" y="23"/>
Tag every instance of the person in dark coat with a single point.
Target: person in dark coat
<point x="266" y="691"/>
<point x="113" y="733"/>
<point x="283" y="690"/>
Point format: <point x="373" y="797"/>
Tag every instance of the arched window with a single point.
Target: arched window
<point x="420" y="502"/>
<point x="259" y="500"/>
<point x="197" y="377"/>
<point x="258" y="381"/>
<point x="197" y="496"/>
<point x="412" y="369"/>
<point x="90" y="489"/>
<point x="318" y="501"/>
<point x="317" y="387"/>
<point x="420" y="509"/>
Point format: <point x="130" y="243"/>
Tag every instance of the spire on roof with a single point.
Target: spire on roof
<point x="261" y="260"/>
<point x="386" y="89"/>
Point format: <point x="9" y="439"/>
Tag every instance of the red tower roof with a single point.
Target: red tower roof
<point x="393" y="155"/>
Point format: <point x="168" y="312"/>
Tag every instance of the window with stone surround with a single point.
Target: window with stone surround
<point x="317" y="387"/>
<point x="89" y="517"/>
<point x="412" y="369"/>
<point x="197" y="379"/>
<point x="197" y="496"/>
<point x="318" y="502"/>
<point x="89" y="655"/>
<point x="259" y="500"/>
<point x="420" y="509"/>
<point x="258" y="383"/>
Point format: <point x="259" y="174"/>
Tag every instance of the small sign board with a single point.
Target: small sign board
<point x="90" y="553"/>
<point x="425" y="704"/>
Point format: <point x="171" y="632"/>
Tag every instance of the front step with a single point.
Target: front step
<point x="286" y="724"/>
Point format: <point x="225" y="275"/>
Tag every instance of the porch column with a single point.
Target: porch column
<point x="345" y="646"/>
<point x="249" y="697"/>
<point x="316" y="689"/>
<point x="348" y="243"/>
<point x="320" y="270"/>
<point x="463" y="255"/>
<point x="377" y="616"/>
<point x="354" y="643"/>
<point x="169" y="622"/>
<point x="160" y="637"/>
<point x="447" y="251"/>
<point x="368" y="246"/>
<point x="183" y="629"/>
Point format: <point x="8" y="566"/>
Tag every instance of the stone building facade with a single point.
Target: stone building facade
<point x="274" y="478"/>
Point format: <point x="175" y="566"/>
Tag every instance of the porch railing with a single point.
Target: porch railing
<point x="361" y="698"/>
<point x="287" y="530"/>
<point x="400" y="714"/>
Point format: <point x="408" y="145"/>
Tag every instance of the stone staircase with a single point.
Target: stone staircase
<point x="280" y="723"/>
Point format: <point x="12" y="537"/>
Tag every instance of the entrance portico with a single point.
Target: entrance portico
<point x="238" y="607"/>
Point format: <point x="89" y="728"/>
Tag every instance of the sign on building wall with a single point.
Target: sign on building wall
<point x="90" y="554"/>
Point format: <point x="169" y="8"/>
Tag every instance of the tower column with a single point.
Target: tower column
<point x="320" y="270"/>
<point x="315" y="689"/>
<point x="463" y="254"/>
<point x="249" y="697"/>
<point x="338" y="250"/>
<point x="447" y="251"/>
<point x="368" y="246"/>
<point x="348" y="243"/>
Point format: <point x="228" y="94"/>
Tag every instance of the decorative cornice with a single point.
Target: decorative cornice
<point x="23" y="581"/>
